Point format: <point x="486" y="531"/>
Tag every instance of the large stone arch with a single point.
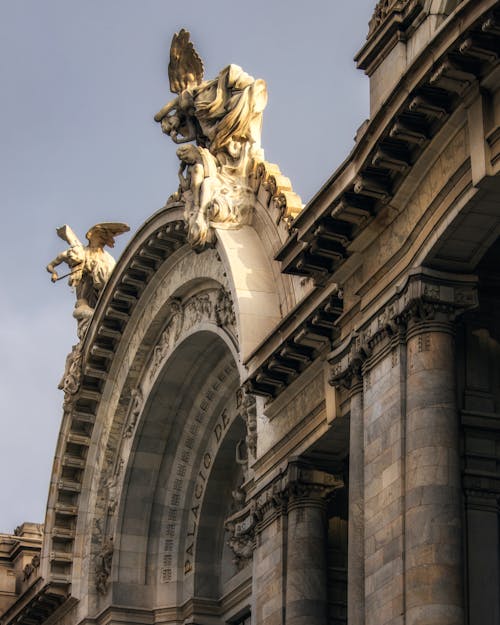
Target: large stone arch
<point x="164" y="304"/>
<point x="177" y="491"/>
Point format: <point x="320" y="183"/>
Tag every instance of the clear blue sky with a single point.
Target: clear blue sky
<point x="80" y="82"/>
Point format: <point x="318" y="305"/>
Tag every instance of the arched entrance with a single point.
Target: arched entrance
<point x="181" y="483"/>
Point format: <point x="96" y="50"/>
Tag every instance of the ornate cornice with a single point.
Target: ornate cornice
<point x="389" y="10"/>
<point x="393" y="142"/>
<point x="303" y="334"/>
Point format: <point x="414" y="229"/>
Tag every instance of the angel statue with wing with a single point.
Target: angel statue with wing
<point x="90" y="266"/>
<point x="223" y="117"/>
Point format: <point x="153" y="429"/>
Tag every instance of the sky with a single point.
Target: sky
<point x="80" y="83"/>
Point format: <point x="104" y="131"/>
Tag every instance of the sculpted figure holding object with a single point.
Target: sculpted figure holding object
<point x="90" y="265"/>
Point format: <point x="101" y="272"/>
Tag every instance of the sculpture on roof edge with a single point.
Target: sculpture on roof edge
<point x="223" y="117"/>
<point x="90" y="266"/>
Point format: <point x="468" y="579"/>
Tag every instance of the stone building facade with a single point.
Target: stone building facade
<point x="299" y="424"/>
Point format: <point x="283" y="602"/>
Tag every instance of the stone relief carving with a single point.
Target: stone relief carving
<point x="135" y="409"/>
<point x="89" y="266"/>
<point x="223" y="117"/>
<point x="102" y="570"/>
<point x="246" y="404"/>
<point x="213" y="306"/>
<point x="111" y="486"/>
<point x="382" y="11"/>
<point x="224" y="311"/>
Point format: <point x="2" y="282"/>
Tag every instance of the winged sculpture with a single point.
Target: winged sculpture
<point x="89" y="265"/>
<point x="223" y="117"/>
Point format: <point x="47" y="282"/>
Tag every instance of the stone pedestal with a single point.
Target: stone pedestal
<point x="433" y="544"/>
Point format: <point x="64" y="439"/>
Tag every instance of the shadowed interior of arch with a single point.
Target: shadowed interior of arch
<point x="188" y="417"/>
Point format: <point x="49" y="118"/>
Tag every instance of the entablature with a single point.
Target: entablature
<point x="463" y="53"/>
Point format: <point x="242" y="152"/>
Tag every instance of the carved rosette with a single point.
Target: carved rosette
<point x="427" y="296"/>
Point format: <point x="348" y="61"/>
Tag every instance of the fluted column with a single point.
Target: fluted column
<point x="433" y="543"/>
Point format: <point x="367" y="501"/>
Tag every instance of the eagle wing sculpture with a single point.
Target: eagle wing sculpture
<point x="106" y="232"/>
<point x="185" y="68"/>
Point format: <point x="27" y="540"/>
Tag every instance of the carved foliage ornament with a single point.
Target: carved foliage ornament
<point x="214" y="306"/>
<point x="384" y="9"/>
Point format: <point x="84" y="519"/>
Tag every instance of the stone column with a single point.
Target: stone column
<point x="356" y="535"/>
<point x="433" y="526"/>
<point x="306" y="569"/>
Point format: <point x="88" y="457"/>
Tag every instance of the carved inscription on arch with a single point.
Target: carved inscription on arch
<point x="216" y="436"/>
<point x="188" y="456"/>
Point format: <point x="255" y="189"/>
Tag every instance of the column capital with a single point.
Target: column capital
<point x="298" y="483"/>
<point x="347" y="362"/>
<point x="426" y="297"/>
<point x="295" y="481"/>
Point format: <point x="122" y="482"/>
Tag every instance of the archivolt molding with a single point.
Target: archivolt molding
<point x="204" y="310"/>
<point x="133" y="306"/>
